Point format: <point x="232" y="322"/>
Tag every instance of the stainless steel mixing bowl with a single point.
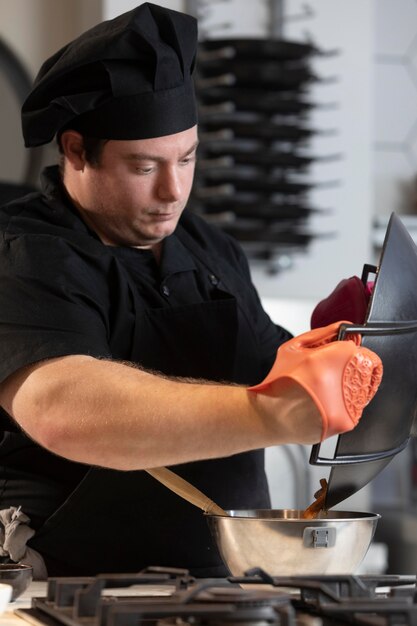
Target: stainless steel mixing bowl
<point x="284" y="544"/>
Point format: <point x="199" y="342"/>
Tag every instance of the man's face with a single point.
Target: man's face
<point x="137" y="192"/>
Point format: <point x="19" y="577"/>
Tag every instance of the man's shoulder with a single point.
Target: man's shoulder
<point x="37" y="214"/>
<point x="15" y="213"/>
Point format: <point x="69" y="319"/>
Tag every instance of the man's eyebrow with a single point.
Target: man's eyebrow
<point x="143" y="156"/>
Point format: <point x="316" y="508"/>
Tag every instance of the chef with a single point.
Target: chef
<point x="130" y="331"/>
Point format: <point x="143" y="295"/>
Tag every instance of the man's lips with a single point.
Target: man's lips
<point x="162" y="217"/>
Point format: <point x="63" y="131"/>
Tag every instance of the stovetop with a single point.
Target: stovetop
<point x="256" y="599"/>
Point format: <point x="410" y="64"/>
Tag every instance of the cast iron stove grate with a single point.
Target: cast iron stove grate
<point x="264" y="601"/>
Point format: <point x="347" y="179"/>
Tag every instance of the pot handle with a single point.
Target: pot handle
<point x="319" y="536"/>
<point x="352" y="459"/>
<point x="377" y="328"/>
<point x="370" y="329"/>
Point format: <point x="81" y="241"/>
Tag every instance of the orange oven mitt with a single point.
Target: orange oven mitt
<point x="341" y="377"/>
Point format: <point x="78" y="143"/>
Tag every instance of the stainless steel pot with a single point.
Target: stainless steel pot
<point x="284" y="544"/>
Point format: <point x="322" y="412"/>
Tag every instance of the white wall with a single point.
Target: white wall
<point x="395" y="119"/>
<point x="112" y="8"/>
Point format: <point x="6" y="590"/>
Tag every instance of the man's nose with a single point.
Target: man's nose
<point x="169" y="185"/>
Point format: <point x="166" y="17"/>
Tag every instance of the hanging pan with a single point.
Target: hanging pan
<point x="266" y="158"/>
<point x="273" y="132"/>
<point x="277" y="49"/>
<point x="251" y="75"/>
<point x="261" y="100"/>
<point x="244" y="180"/>
<point x="231" y="181"/>
<point x="264" y="234"/>
<point x="257" y="206"/>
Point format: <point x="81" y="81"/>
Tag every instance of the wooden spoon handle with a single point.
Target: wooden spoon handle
<point x="184" y="489"/>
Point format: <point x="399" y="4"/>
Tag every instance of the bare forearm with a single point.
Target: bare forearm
<point x="113" y="415"/>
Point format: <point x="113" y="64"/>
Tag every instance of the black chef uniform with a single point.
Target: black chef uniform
<point x="64" y="292"/>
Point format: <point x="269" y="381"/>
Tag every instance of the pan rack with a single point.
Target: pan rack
<point x="252" y="174"/>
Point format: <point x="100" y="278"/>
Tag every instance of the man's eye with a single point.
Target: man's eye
<point x="187" y="160"/>
<point x="144" y="170"/>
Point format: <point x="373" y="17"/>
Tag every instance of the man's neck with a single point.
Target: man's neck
<point x="156" y="250"/>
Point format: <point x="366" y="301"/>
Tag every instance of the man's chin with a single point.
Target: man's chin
<point x="162" y="231"/>
<point x="149" y="240"/>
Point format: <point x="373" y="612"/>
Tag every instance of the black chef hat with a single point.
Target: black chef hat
<point x="126" y="78"/>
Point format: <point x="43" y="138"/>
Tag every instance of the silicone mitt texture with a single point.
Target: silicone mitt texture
<point x="341" y="377"/>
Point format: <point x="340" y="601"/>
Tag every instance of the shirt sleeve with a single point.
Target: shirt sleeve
<point x="53" y="302"/>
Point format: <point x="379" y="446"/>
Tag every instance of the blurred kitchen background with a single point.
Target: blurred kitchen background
<point x="351" y="161"/>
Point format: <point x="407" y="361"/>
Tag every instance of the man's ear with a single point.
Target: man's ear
<point x="72" y="145"/>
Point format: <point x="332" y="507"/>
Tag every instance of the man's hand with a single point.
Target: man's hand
<point x="340" y="378"/>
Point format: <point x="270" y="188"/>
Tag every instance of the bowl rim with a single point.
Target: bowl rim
<point x="259" y="515"/>
<point x="15" y="567"/>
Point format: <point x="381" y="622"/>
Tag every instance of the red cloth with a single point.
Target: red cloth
<point x="348" y="301"/>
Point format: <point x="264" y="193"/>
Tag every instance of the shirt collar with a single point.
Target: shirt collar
<point x="175" y="257"/>
<point x="57" y="197"/>
<point x="51" y="182"/>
